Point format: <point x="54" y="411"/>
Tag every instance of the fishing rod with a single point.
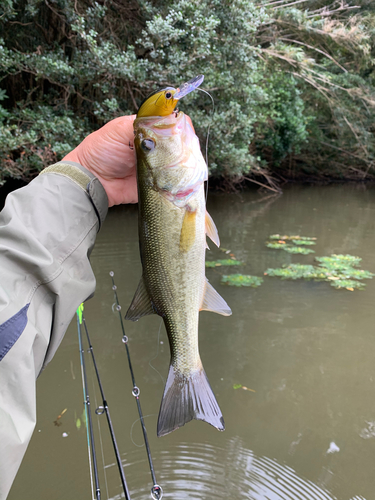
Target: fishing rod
<point x="86" y="397"/>
<point x="104" y="409"/>
<point x="101" y="409"/>
<point x="156" y="490"/>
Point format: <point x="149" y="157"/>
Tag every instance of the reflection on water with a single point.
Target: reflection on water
<point x="306" y="350"/>
<point x="199" y="471"/>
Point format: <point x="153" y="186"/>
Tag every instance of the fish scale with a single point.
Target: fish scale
<point x="173" y="278"/>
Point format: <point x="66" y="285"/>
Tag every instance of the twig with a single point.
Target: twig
<point x="317" y="50"/>
<point x="263" y="185"/>
<point x="132" y="95"/>
<point x="289" y="4"/>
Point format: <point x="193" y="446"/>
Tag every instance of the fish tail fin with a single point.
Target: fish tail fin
<point x="185" y="398"/>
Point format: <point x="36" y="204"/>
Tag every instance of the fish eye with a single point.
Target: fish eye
<point x="168" y="95"/>
<point x="147" y="145"/>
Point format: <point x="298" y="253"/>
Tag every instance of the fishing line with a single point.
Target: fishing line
<point x="105" y="409"/>
<point x="156" y="490"/>
<point x="133" y="424"/>
<point x="157" y="354"/>
<point x="208" y="130"/>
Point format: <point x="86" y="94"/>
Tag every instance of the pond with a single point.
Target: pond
<point x="305" y="430"/>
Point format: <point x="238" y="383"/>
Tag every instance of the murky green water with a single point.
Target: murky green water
<point x="306" y="349"/>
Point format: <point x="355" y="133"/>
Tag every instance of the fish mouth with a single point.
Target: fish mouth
<point x="188" y="87"/>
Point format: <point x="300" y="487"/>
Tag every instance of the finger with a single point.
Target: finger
<point x="120" y="129"/>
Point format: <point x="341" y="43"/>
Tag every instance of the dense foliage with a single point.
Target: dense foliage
<point x="293" y="81"/>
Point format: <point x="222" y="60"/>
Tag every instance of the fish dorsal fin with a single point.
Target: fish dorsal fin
<point x="141" y="304"/>
<point x="188" y="231"/>
<point x="212" y="301"/>
<point x="211" y="230"/>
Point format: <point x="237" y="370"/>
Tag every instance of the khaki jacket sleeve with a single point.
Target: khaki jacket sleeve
<point x="47" y="232"/>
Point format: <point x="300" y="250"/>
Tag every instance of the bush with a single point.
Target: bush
<point x="293" y="88"/>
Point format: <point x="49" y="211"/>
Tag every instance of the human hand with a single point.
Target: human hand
<point x="106" y="153"/>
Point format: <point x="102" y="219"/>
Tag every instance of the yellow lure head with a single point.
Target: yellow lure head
<point x="162" y="102"/>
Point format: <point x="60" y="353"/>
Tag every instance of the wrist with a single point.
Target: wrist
<point x="86" y="180"/>
<point x="75" y="156"/>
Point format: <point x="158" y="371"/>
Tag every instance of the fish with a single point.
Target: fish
<point x="173" y="224"/>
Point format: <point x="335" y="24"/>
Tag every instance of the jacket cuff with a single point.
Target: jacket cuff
<point x="87" y="181"/>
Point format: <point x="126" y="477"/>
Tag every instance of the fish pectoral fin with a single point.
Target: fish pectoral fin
<point x="214" y="302"/>
<point x="187" y="397"/>
<point x="141" y="304"/>
<point x="211" y="230"/>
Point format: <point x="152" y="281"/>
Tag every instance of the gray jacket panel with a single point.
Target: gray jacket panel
<point x="47" y="232"/>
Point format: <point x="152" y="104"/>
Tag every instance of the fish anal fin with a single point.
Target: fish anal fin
<point x="211" y="230"/>
<point x="188" y="231"/>
<point x="186" y="398"/>
<point x="141" y="304"/>
<point x="214" y="302"/>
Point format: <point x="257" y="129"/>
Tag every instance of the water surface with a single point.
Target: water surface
<point x="306" y="349"/>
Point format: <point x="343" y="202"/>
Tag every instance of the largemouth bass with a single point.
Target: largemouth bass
<point x="173" y="224"/>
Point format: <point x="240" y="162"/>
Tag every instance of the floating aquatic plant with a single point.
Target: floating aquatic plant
<point x="277" y="246"/>
<point x="294" y="249"/>
<point x="241" y="280"/>
<point x="348" y="284"/>
<point x="240" y="386"/>
<point x="339" y="261"/>
<point x="293" y="272"/>
<point x="283" y="243"/>
<point x="303" y="242"/>
<point x="223" y="262"/>
<point x="293" y="238"/>
<point x="339" y="270"/>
